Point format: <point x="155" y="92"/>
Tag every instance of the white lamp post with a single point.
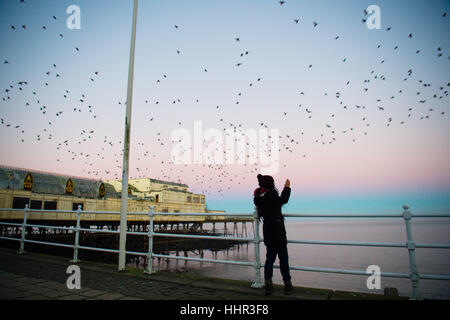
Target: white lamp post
<point x="126" y="148"/>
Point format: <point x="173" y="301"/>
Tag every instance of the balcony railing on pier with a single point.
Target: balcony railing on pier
<point x="410" y="244"/>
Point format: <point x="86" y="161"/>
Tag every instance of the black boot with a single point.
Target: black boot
<point x="288" y="287"/>
<point x="269" y="287"/>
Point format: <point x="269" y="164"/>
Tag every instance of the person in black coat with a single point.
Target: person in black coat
<point x="268" y="204"/>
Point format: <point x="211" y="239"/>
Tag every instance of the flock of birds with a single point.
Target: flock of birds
<point x="213" y="178"/>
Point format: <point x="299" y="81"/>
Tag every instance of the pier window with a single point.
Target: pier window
<point x="36" y="204"/>
<point x="196" y="200"/>
<point x="19" y="203"/>
<point x="157" y="198"/>
<point x="75" y="206"/>
<point x="189" y="199"/>
<point x="50" y="205"/>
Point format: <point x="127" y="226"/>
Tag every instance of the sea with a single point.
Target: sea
<point x="424" y="230"/>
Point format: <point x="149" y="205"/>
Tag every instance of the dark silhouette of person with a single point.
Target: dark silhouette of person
<point x="268" y="204"/>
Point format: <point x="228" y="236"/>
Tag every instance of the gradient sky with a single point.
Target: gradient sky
<point x="371" y="165"/>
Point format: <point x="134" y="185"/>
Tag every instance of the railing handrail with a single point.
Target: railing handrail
<point x="130" y="213"/>
<point x="414" y="275"/>
<point x="214" y="214"/>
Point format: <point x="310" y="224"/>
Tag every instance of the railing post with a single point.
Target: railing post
<point x="77" y="237"/>
<point x="24" y="224"/>
<point x="258" y="283"/>
<point x="149" y="269"/>
<point x="411" y="245"/>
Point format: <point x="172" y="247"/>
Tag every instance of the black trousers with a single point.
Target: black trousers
<point x="271" y="255"/>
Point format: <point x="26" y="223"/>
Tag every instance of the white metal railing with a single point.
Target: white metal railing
<point x="414" y="275"/>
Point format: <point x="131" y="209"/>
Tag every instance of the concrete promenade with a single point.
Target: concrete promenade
<point x="41" y="277"/>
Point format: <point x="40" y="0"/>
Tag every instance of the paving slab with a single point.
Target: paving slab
<point x="109" y="296"/>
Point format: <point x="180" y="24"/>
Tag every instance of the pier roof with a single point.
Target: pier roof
<point x="49" y="183"/>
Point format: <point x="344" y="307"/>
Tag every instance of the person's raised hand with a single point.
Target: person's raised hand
<point x="287" y="184"/>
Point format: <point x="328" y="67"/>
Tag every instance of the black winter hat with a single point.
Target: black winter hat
<point x="265" y="181"/>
